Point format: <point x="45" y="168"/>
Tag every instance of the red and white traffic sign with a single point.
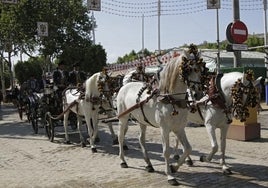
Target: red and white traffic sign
<point x="239" y="32"/>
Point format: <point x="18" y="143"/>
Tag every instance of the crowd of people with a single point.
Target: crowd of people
<point x="61" y="79"/>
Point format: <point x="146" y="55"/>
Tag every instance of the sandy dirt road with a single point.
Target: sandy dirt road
<point x="29" y="160"/>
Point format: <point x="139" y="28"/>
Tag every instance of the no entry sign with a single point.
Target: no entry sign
<point x="239" y="32"/>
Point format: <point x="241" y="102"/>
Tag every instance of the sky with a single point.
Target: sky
<point x="119" y="23"/>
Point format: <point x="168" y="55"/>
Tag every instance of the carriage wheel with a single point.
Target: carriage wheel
<point x="20" y="113"/>
<point x="34" y="121"/>
<point x="28" y="113"/>
<point x="49" y="127"/>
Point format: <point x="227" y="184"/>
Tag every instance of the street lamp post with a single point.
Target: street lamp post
<point x="236" y="15"/>
<point x="159" y="13"/>
<point x="266" y="52"/>
<point x="218" y="43"/>
<point x="216" y="4"/>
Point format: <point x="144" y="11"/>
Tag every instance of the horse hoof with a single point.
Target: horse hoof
<point x="149" y="168"/>
<point x="94" y="150"/>
<point x="176" y="157"/>
<point x="125" y="147"/>
<point x="227" y="172"/>
<point x="202" y="158"/>
<point x="67" y="142"/>
<point x="115" y="142"/>
<point x="173" y="182"/>
<point x="172" y="168"/>
<point x="124" y="165"/>
<point x="83" y="144"/>
<point x="189" y="162"/>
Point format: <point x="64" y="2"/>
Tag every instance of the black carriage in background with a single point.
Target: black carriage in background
<point x="29" y="101"/>
<point x="52" y="108"/>
<point x="35" y="111"/>
<point x="40" y="101"/>
<point x="52" y="102"/>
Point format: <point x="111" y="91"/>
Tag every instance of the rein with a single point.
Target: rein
<point x="135" y="106"/>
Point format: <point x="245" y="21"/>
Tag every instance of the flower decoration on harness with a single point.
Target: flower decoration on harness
<point x="238" y="91"/>
<point x="187" y="67"/>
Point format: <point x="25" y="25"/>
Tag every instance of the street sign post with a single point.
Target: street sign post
<point x="42" y="29"/>
<point x="228" y="33"/>
<point x="94" y="5"/>
<point x="239" y="32"/>
<point x="213" y="4"/>
<point x="216" y="4"/>
<point x="240" y="47"/>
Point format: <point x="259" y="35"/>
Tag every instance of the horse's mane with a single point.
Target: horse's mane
<point x="170" y="74"/>
<point x="91" y="84"/>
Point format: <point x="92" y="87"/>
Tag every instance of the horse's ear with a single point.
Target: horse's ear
<point x="257" y="81"/>
<point x="184" y="53"/>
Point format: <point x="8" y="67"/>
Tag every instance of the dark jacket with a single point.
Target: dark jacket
<point x="60" y="77"/>
<point x="77" y="77"/>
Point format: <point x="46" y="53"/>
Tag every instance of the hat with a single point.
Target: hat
<point x="61" y="62"/>
<point x="76" y="65"/>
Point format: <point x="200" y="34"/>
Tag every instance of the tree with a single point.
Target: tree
<point x="69" y="27"/>
<point x="94" y="59"/>
<point x="32" y="67"/>
<point x="254" y="41"/>
<point x="133" y="55"/>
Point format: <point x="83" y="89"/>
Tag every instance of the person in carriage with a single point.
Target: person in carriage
<point x="76" y="76"/>
<point x="33" y="87"/>
<point x="60" y="78"/>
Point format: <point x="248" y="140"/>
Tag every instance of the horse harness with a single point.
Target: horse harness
<point x="169" y="98"/>
<point x="215" y="96"/>
<point x="240" y="110"/>
<point x="164" y="98"/>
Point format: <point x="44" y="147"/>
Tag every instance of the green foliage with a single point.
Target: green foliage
<point x="69" y="34"/>
<point x="133" y="55"/>
<point x="68" y="24"/>
<point x="254" y="41"/>
<point x="32" y="67"/>
<point x="94" y="59"/>
<point x="5" y="76"/>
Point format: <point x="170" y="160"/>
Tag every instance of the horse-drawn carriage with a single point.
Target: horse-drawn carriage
<point x="81" y="104"/>
<point x="167" y="109"/>
<point x="29" y="102"/>
<point x="36" y="105"/>
<point x="52" y="111"/>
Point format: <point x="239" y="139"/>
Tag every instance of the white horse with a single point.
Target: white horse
<point x="236" y="92"/>
<point x="165" y="108"/>
<point x="73" y="102"/>
<point x="97" y="97"/>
